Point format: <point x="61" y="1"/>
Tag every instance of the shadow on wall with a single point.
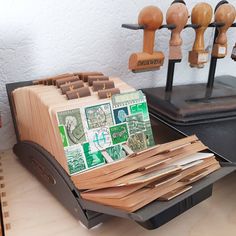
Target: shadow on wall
<point x="15" y="64"/>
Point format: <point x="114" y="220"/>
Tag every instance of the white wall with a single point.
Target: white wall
<point x="44" y="38"/>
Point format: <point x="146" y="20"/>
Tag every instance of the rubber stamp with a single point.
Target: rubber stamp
<point x="201" y="16"/>
<point x="151" y="17"/>
<point x="177" y="14"/>
<point x="224" y="14"/>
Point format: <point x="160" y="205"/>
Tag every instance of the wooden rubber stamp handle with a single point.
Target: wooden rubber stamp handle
<point x="148" y="41"/>
<point x="201" y="15"/>
<point x="224" y="14"/>
<point x="198" y="45"/>
<point x="151" y="17"/>
<point x="177" y="14"/>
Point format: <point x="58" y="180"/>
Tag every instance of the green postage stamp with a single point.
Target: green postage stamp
<point x="119" y="133"/>
<point x="71" y="127"/>
<point x="136" y="123"/>
<point x="87" y="131"/>
<point x="99" y="116"/>
<point x="80" y="158"/>
<point x="75" y="159"/>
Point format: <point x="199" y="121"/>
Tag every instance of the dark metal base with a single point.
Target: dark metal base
<point x="194" y="103"/>
<point x="41" y="164"/>
<point x="177" y="209"/>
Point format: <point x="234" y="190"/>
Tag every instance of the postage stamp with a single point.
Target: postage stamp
<point x="124" y="99"/>
<point x="99" y="116"/>
<point x="119" y="133"/>
<point x="137" y="142"/>
<point x="116" y="152"/>
<point x="93" y="159"/>
<point x="73" y="126"/>
<point x="149" y="135"/>
<point x="140" y="108"/>
<point x="120" y="114"/>
<point x="88" y="130"/>
<point x="99" y="138"/>
<point x="63" y="135"/>
<point x="136" y="123"/>
<point x="75" y="159"/>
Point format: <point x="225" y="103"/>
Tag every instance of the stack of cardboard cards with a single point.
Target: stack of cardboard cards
<point x="158" y="173"/>
<point x="98" y="128"/>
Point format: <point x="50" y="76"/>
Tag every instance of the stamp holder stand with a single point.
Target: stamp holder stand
<point x="192" y="103"/>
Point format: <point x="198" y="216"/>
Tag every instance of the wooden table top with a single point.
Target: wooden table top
<point x="33" y="211"/>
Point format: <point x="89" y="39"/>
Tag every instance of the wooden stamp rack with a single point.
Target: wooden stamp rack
<point x="194" y="103"/>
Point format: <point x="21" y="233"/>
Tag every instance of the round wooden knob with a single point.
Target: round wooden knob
<point x="177" y="14"/>
<point x="151" y="17"/>
<point x="226" y="14"/>
<point x="201" y="15"/>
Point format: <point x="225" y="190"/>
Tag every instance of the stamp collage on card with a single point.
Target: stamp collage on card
<point x="89" y="130"/>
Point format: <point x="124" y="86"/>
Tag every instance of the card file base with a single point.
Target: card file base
<point x="44" y="166"/>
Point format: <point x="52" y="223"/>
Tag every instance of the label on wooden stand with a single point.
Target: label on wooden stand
<point x="198" y="59"/>
<point x="145" y="61"/>
<point x="222" y="50"/>
<point x="219" y="51"/>
<point x="203" y="57"/>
